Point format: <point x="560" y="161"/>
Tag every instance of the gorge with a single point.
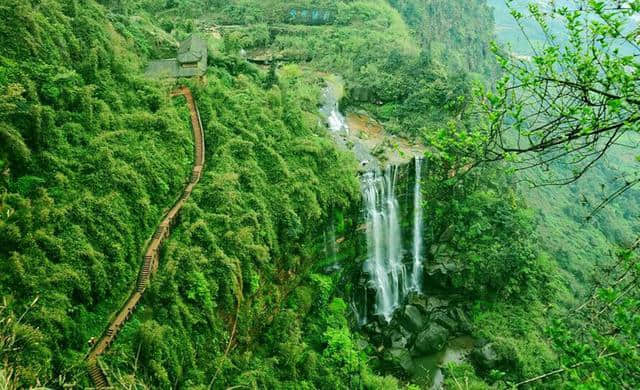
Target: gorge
<point x="366" y="218"/>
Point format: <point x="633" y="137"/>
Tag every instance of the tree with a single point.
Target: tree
<point x="569" y="103"/>
<point x="598" y="341"/>
<point x="576" y="97"/>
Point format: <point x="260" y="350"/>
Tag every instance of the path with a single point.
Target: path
<point x="150" y="264"/>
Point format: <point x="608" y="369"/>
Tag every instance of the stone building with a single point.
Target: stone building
<point x="191" y="61"/>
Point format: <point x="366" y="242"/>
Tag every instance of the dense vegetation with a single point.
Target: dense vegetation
<point x="91" y="154"/>
<point x="410" y="81"/>
<point x="569" y="108"/>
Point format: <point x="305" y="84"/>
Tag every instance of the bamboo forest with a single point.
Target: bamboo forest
<point x="320" y="194"/>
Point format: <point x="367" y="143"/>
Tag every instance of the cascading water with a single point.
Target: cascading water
<point x="330" y="110"/>
<point x="332" y="247"/>
<point x="387" y="274"/>
<point x="416" y="273"/>
<point x="384" y="241"/>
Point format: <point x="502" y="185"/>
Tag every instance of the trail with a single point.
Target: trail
<point x="151" y="257"/>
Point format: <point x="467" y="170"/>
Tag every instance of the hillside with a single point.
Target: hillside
<point x="341" y="235"/>
<point x="83" y="189"/>
<point x="579" y="243"/>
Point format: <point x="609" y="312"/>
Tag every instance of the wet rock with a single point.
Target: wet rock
<point x="438" y="275"/>
<point x="464" y="324"/>
<point x="445" y="320"/>
<point x="413" y="318"/>
<point x="373" y="327"/>
<point x="485" y="357"/>
<point x="374" y="332"/>
<point x="447" y="235"/>
<point x="442" y="267"/>
<point x="431" y="340"/>
<point x="362" y="344"/>
<point x="398" y="340"/>
<point x="435" y="304"/>
<point x="400" y="358"/>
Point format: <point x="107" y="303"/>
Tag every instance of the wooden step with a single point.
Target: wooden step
<point x="150" y="264"/>
<point x="97" y="376"/>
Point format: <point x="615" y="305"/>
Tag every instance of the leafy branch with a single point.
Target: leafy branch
<point x="575" y="98"/>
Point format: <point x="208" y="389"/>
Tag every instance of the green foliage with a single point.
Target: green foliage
<point x="516" y="334"/>
<point x="482" y="227"/>
<point x="91" y="155"/>
<point x="236" y="269"/>
<point x="597" y="342"/>
<point x="463" y="376"/>
<point x="576" y="96"/>
<point x="561" y="110"/>
<point x="454" y="33"/>
<point x="19" y="342"/>
<point x="393" y="64"/>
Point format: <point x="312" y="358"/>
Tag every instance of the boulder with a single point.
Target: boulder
<point x="448" y="234"/>
<point x="363" y="344"/>
<point x="436" y="304"/>
<point x="418" y="300"/>
<point x="485" y="357"/>
<point x="374" y="332"/>
<point x="373" y="327"/>
<point x="431" y="340"/>
<point x="399" y="357"/>
<point x="413" y="318"/>
<point x="442" y="318"/>
<point x="464" y="324"/>
<point x="398" y="340"/>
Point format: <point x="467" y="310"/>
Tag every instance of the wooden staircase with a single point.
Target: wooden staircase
<point x="97" y="376"/>
<point x="150" y="264"/>
<point x="144" y="274"/>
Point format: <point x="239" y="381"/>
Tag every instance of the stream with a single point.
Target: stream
<point x="426" y="370"/>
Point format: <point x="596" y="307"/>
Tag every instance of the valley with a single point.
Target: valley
<point x="394" y="195"/>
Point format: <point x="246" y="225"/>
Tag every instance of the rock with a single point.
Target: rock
<point x="464" y="324"/>
<point x="433" y="249"/>
<point x="486" y="357"/>
<point x="398" y="340"/>
<point x="413" y="318"/>
<point x="438" y="276"/>
<point x="436" y="304"/>
<point x="362" y="344"/>
<point x="447" y="235"/>
<point x="418" y="300"/>
<point x="374" y="333"/>
<point x="445" y="320"/>
<point x="373" y="327"/>
<point x="399" y="357"/>
<point x="431" y="340"/>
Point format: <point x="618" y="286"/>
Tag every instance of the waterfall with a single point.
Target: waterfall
<point x="384" y="241"/>
<point x="331" y="111"/>
<point x="333" y="248"/>
<point x="416" y="274"/>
